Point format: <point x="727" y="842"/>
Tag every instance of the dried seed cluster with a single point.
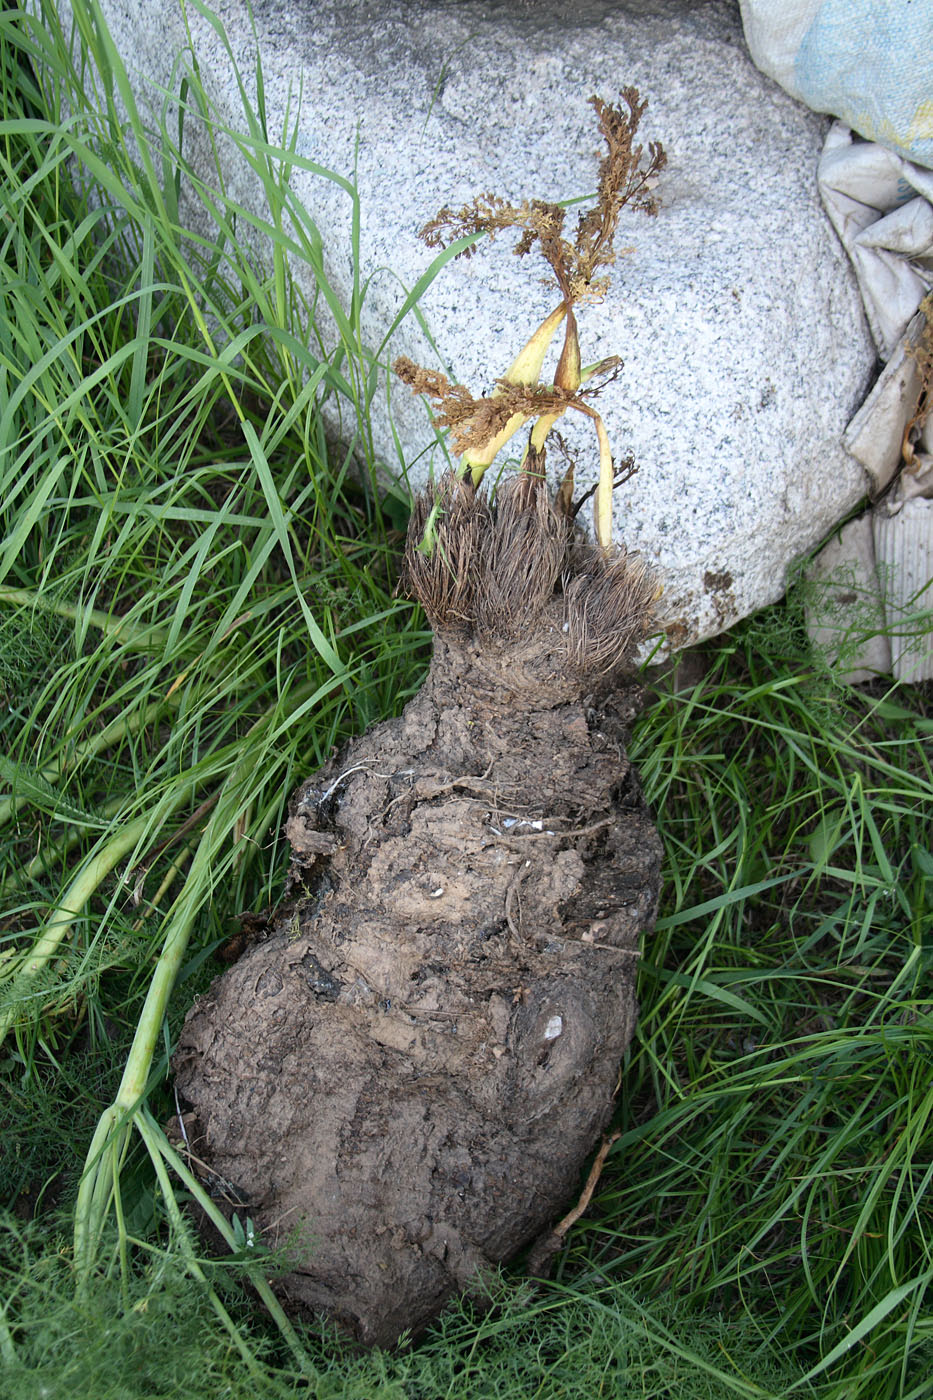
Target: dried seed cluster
<point x="623" y="180"/>
<point x="482" y="424"/>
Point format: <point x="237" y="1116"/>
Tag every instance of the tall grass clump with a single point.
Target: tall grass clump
<point x="199" y="587"/>
<point x="779" y="1099"/>
<point x="196" y="606"/>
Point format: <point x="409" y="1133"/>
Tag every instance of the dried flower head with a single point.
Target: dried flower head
<point x="482" y="424"/>
<point x="623" y="180"/>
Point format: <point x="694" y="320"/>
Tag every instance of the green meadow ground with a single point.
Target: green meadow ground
<point x="196" y="606"/>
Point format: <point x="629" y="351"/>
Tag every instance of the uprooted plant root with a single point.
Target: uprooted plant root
<point x="405" y="1079"/>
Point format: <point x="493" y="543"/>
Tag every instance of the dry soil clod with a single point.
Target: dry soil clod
<point x="405" y="1078"/>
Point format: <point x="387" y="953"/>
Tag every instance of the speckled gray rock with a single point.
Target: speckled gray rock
<point x="736" y="313"/>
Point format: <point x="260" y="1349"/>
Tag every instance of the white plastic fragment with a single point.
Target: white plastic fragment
<point x="875" y="434"/>
<point x="904" y="550"/>
<point x="870" y="589"/>
<point x="554" y="1027"/>
<point x="536" y="825"/>
<point x="845" y="613"/>
<point x="867" y="62"/>
<point x="915" y="480"/>
<point x="866" y="191"/>
<point x="907" y="230"/>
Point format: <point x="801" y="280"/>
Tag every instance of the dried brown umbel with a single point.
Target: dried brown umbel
<point x="482" y="424"/>
<point x="623" y="180"/>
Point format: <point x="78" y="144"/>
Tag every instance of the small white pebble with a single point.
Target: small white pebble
<point x="554" y="1027"/>
<point x="435" y="894"/>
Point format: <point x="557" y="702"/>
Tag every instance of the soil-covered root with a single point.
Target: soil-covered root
<point x="404" y="1080"/>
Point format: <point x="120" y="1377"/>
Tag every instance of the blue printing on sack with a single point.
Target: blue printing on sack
<point x="870" y="62"/>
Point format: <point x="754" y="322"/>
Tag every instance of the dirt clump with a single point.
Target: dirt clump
<point x="406" y="1076"/>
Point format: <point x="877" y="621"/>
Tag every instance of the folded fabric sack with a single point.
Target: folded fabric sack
<point x="881" y="206"/>
<point x="864" y="61"/>
<point x="868" y="63"/>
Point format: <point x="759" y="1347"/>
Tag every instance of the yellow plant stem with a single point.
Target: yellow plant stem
<point x="61" y="921"/>
<point x="116" y="730"/>
<point x="542" y="427"/>
<point x="157" y="1144"/>
<point x="525" y="369"/>
<point x="110" y="1138"/>
<point x="568" y="372"/>
<point x="44" y="857"/>
<point x="602" y="501"/>
<point x="119" y="629"/>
